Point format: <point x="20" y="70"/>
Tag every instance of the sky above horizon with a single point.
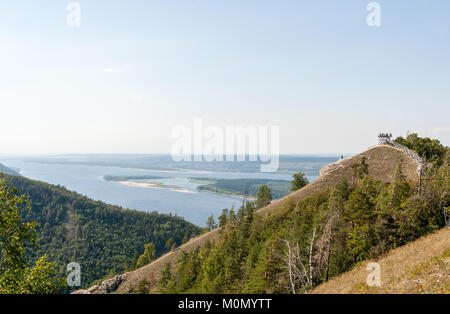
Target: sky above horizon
<point x="134" y="70"/>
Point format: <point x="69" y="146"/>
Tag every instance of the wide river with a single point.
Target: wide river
<point x="193" y="205"/>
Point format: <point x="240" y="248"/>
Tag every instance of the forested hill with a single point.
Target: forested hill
<point x="378" y="204"/>
<point x="102" y="238"/>
<point x="359" y="208"/>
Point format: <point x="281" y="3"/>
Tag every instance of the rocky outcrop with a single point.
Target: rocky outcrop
<point x="107" y="286"/>
<point x="81" y="291"/>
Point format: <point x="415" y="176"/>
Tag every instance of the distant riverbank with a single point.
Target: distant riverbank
<point x="243" y="187"/>
<point x="155" y="185"/>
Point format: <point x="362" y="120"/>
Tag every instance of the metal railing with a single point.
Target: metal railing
<point x="407" y="151"/>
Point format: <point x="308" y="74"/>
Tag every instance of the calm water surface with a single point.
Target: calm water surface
<point x="88" y="180"/>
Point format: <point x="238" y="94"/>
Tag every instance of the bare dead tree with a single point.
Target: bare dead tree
<point x="311" y="267"/>
<point x="297" y="271"/>
<point x="420" y="180"/>
<point x="290" y="257"/>
<point x="319" y="253"/>
<point x="323" y="246"/>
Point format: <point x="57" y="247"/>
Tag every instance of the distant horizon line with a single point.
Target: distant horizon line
<point x="9" y="155"/>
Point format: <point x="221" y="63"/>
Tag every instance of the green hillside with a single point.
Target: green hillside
<point x="308" y="242"/>
<point x="102" y="238"/>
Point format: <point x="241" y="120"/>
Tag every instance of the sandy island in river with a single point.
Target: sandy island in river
<point x="155" y="185"/>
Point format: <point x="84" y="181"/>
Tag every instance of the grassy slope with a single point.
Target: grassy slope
<point x="382" y="160"/>
<point x="422" y="266"/>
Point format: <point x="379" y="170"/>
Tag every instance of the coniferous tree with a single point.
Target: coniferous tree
<point x="299" y="181"/>
<point x="142" y="287"/>
<point x="147" y="256"/>
<point x="264" y="196"/>
<point x="170" y="244"/>
<point x="210" y="223"/>
<point x="166" y="276"/>
<point x="400" y="187"/>
<point x="361" y="169"/>
<point x="223" y="218"/>
<point x="231" y="217"/>
<point x="185" y="238"/>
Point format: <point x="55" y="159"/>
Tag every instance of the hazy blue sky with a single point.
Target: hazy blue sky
<point x="135" y="69"/>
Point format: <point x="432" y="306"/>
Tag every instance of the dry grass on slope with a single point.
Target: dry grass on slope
<point x="422" y="266"/>
<point x="382" y="160"/>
